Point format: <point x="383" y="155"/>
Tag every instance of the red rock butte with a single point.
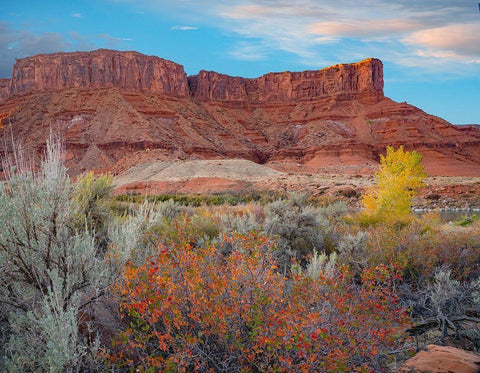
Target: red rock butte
<point x="116" y="110"/>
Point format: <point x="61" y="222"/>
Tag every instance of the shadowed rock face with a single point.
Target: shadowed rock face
<point x="98" y="69"/>
<point x="116" y="109"/>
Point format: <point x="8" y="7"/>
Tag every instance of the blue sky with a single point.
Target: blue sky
<point x="430" y="49"/>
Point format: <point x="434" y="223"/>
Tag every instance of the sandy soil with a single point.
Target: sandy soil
<point x="233" y="169"/>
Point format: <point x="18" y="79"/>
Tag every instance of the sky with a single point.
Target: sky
<point x="430" y="49"/>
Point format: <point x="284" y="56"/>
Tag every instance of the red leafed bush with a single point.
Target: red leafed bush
<point x="227" y="308"/>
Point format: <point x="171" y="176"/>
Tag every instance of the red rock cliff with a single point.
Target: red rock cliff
<point x="362" y="77"/>
<point x="4" y="89"/>
<point x="98" y="69"/>
<point x="136" y="72"/>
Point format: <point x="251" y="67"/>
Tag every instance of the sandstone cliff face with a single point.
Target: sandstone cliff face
<point x="98" y="69"/>
<point x="365" y="76"/>
<point x="4" y="89"/>
<point x="136" y="72"/>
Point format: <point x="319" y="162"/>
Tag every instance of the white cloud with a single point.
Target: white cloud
<point x="113" y="42"/>
<point x="341" y="30"/>
<point x="77" y="15"/>
<point x="251" y="11"/>
<point x="183" y="28"/>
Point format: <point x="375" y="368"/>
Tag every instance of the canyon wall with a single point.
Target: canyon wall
<point x="364" y="76"/>
<point x="131" y="71"/>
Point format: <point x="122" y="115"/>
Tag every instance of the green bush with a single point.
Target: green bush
<point x="90" y="200"/>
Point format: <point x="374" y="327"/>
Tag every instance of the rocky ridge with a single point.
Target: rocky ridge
<point x="116" y="110"/>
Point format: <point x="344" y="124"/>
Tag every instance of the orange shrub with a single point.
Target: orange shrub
<point x="227" y="308"/>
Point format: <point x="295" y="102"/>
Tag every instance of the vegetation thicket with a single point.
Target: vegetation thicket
<point x="207" y="309"/>
<point x="93" y="283"/>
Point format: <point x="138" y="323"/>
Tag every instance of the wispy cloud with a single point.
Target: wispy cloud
<point x="183" y="28"/>
<point x="400" y="32"/>
<point x="77" y="15"/>
<point x="113" y="42"/>
<point x="364" y="28"/>
<point x="248" y="51"/>
<point x="324" y="31"/>
<point x="113" y="38"/>
<point x="250" y="11"/>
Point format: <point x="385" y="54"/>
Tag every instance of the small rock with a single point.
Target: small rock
<point x="442" y="359"/>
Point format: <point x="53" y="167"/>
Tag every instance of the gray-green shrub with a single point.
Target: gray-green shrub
<point x="244" y="223"/>
<point x="51" y="268"/>
<point x="168" y="209"/>
<point x="90" y="201"/>
<point x="352" y="250"/>
<point x="319" y="264"/>
<point x="299" y="228"/>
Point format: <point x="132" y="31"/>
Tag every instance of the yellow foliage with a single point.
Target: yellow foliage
<point x="89" y="195"/>
<point x="399" y="177"/>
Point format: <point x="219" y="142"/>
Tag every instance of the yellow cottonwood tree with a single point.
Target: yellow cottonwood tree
<point x="400" y="175"/>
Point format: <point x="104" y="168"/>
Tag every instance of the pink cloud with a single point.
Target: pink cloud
<point x="246" y="11"/>
<point x="363" y="28"/>
<point x="454" y="40"/>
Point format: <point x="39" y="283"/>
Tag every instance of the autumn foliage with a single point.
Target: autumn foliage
<point x="226" y="307"/>
<point x="400" y="175"/>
